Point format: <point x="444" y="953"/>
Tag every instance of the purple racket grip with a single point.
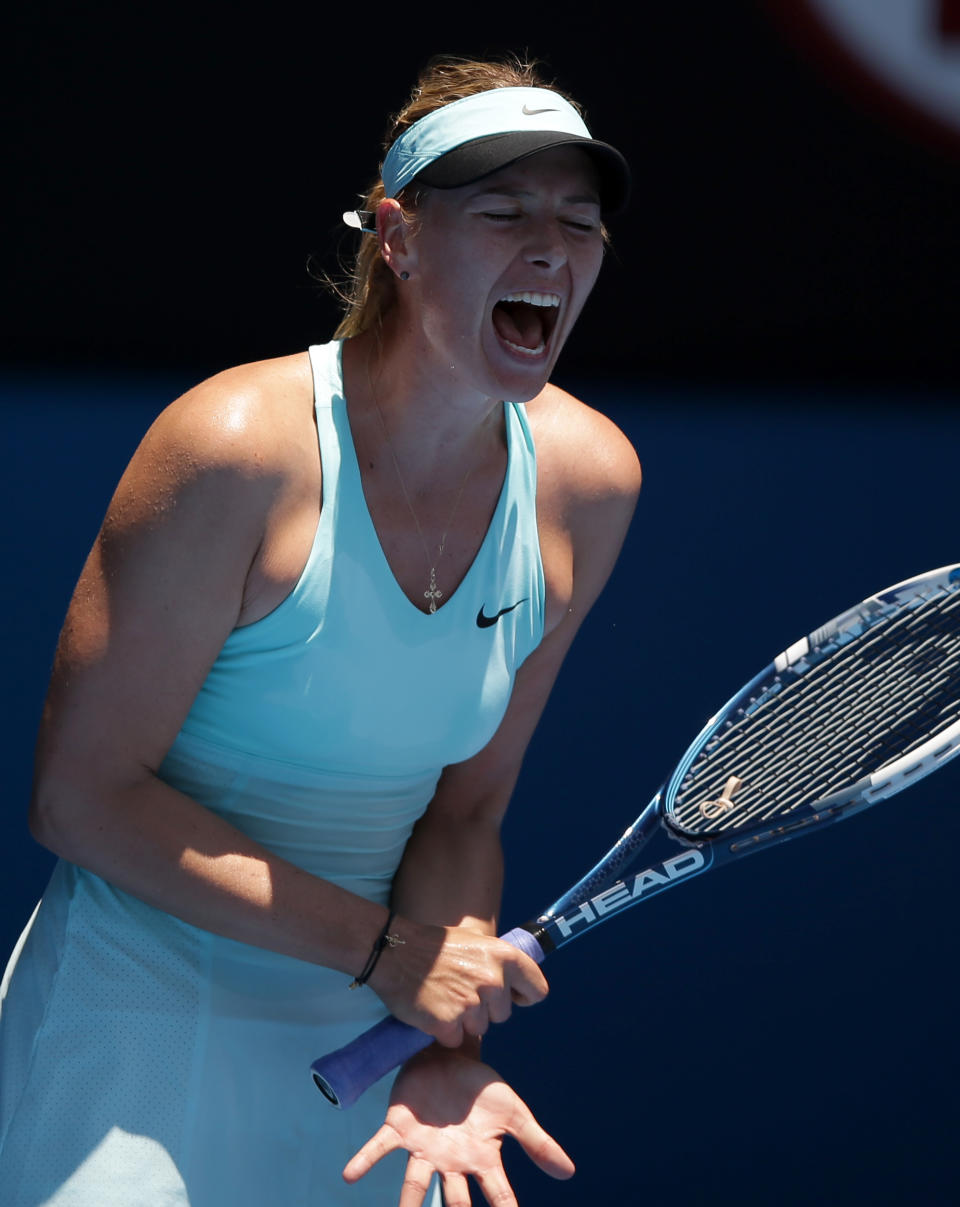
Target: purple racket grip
<point x="342" y="1076"/>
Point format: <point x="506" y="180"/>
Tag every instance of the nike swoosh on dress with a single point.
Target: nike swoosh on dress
<point x="484" y="622"/>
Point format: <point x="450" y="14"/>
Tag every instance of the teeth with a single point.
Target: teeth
<point x="533" y="299"/>
<point x="520" y="348"/>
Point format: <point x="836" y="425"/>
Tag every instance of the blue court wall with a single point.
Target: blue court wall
<point x="780" y="1033"/>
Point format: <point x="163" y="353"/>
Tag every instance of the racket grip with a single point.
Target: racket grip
<point x="343" y="1075"/>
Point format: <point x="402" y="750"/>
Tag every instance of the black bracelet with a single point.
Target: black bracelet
<point x="384" y="939"/>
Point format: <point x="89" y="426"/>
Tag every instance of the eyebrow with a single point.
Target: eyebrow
<point x="572" y="199"/>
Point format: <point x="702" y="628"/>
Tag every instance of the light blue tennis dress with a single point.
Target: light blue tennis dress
<point x="147" y="1063"/>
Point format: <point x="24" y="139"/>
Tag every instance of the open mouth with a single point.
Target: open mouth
<point x="525" y="321"/>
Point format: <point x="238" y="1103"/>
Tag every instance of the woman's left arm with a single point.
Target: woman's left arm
<point x="588" y="480"/>
<point x="452" y="870"/>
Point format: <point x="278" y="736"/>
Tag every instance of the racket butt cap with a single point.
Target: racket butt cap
<point x="325" y="1089"/>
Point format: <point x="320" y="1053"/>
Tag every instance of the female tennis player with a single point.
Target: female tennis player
<point x="292" y="695"/>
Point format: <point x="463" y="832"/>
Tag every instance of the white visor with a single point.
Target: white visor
<point x="469" y="138"/>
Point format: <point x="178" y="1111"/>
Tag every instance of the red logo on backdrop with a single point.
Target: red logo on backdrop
<point x="902" y="55"/>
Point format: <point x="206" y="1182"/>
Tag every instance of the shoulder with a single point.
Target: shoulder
<point x="588" y="479"/>
<point x="243" y="427"/>
<point x="223" y="458"/>
<point x="582" y="456"/>
<point x="244" y="417"/>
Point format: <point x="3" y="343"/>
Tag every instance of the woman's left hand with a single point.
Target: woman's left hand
<point x="451" y="1113"/>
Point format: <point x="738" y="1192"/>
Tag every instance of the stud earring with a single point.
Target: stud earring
<point x="404" y="276"/>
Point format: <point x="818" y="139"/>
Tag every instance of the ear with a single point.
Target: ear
<point x="396" y="237"/>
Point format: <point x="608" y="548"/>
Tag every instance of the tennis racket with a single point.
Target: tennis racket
<point x="852" y="713"/>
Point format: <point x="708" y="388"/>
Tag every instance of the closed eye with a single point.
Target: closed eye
<point x="575" y="224"/>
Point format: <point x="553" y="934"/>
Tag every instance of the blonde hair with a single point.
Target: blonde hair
<point x="370" y="288"/>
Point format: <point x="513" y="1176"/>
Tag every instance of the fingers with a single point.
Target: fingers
<point x="503" y="976"/>
<point x="448" y="1034"/>
<point x="476" y="1020"/>
<point x="472" y="981"/>
<point x="416" y="1183"/>
<point x="498" y="1006"/>
<point x="525" y="981"/>
<point x="456" y="1192"/>
<point x="541" y="1147"/>
<point x="509" y="977"/>
<point x="496" y="1189"/>
<point x="495" y="1006"/>
<point x="382" y="1142"/>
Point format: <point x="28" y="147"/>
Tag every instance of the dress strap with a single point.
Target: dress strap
<point x="326" y="363"/>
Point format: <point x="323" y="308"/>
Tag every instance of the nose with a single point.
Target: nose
<point x="546" y="247"/>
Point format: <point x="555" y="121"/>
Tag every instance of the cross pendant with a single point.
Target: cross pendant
<point x="433" y="592"/>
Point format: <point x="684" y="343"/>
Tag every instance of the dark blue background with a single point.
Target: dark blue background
<point x="780" y="1032"/>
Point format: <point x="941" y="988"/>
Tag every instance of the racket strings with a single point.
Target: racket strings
<point x="875" y="739"/>
<point x="867" y="699"/>
<point x="908" y="726"/>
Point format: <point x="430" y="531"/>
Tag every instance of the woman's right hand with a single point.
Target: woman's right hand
<point x="453" y="981"/>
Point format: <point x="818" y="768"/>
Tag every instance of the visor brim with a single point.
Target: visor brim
<point x="473" y="160"/>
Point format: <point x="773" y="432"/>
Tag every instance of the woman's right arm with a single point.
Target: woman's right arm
<point x="163" y="586"/>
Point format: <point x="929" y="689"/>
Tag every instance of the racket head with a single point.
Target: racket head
<point x="851" y="713"/>
<point x="915" y="626"/>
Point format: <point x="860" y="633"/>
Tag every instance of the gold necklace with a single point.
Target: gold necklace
<point x="433" y="592"/>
